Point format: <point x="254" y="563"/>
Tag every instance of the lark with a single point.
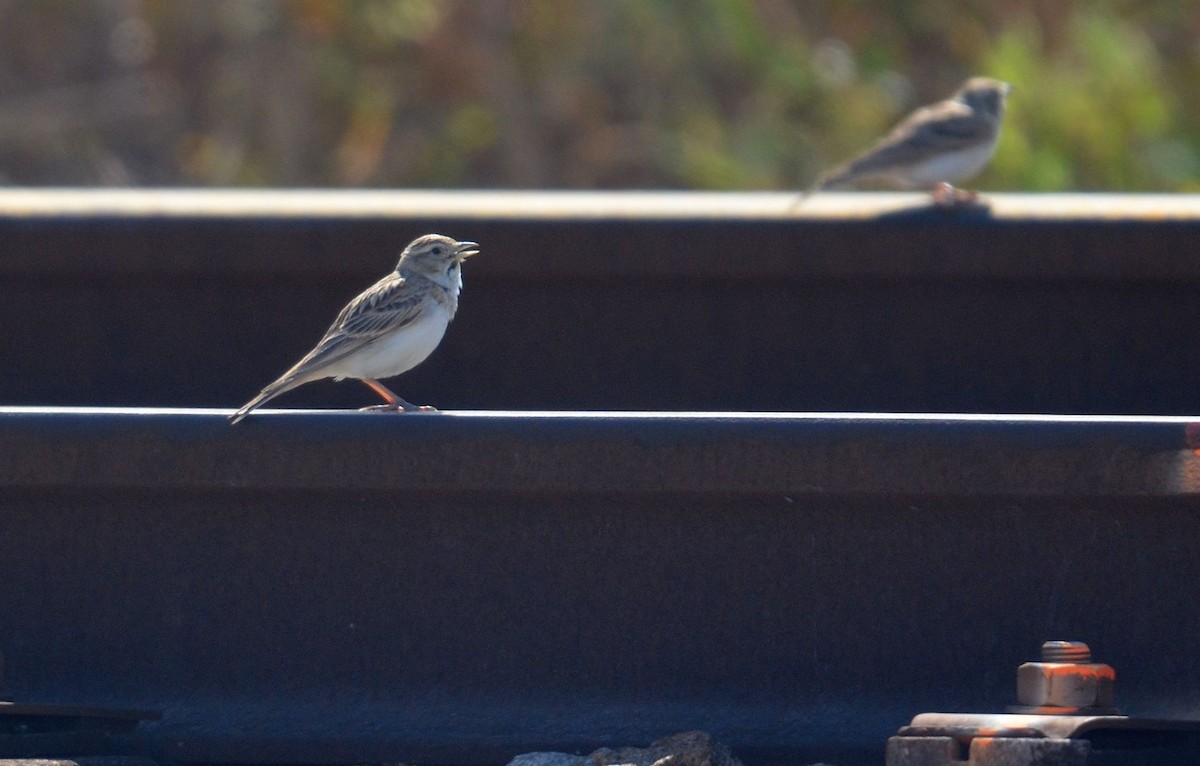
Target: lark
<point x="935" y="147"/>
<point x="390" y="328"/>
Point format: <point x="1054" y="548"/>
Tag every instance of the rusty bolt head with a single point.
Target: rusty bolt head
<point x="1066" y="680"/>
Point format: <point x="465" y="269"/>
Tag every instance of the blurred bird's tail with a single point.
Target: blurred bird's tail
<point x="800" y="199"/>
<point x="821" y="184"/>
<point x="837" y="178"/>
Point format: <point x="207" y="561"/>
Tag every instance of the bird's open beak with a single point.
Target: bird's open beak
<point x="466" y="250"/>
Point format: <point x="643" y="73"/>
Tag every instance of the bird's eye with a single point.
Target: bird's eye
<point x="437" y="250"/>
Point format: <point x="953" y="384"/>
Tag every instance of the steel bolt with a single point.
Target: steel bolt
<point x="1066" y="651"/>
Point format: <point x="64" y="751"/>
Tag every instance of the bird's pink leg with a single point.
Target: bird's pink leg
<point x="946" y="195"/>
<point x="394" y="403"/>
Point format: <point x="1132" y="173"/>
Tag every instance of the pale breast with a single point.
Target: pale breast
<point x="950" y="167"/>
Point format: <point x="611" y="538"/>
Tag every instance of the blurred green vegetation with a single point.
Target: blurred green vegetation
<point x="688" y="94"/>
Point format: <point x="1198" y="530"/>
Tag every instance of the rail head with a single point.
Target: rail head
<point x="218" y="234"/>
<point x="784" y="455"/>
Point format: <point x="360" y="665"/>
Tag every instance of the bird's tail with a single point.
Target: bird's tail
<point x="838" y="178"/>
<point x="828" y="181"/>
<point x="270" y="392"/>
<point x="802" y="197"/>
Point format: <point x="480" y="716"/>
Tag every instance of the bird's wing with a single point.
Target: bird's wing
<point x="384" y="307"/>
<point x="389" y="304"/>
<point x="927" y="132"/>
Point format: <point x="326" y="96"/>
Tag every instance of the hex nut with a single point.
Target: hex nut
<point x="1066" y="684"/>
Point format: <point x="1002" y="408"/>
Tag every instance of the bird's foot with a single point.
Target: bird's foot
<point x="947" y="196"/>
<point x="398" y="407"/>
